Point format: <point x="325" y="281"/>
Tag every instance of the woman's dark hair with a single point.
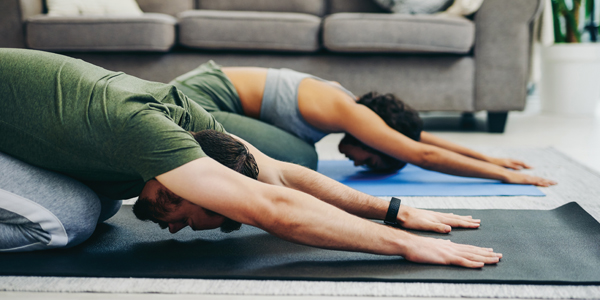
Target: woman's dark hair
<point x="217" y="145"/>
<point x="396" y="114"/>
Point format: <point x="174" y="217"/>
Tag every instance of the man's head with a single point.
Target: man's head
<point x="396" y="114"/>
<point x="158" y="204"/>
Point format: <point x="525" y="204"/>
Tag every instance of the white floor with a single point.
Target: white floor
<point x="576" y="136"/>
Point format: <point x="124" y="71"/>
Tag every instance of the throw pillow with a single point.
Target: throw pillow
<point x="414" y="6"/>
<point x="92" y="7"/>
<point x="463" y="7"/>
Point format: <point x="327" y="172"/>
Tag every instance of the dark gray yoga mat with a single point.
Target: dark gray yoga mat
<point x="560" y="246"/>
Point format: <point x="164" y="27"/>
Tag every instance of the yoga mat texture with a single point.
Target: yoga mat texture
<point x="558" y="246"/>
<point x="414" y="181"/>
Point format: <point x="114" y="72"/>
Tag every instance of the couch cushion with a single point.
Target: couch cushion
<point x="149" y="32"/>
<point x="212" y="29"/>
<point x="313" y="7"/>
<point x="356" y="32"/>
<point x="171" y="7"/>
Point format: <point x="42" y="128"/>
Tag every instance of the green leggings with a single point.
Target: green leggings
<point x="269" y="139"/>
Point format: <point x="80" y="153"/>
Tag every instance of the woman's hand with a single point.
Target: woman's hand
<point x="508" y="163"/>
<point x="520" y="178"/>
<point x="444" y="252"/>
<point x="426" y="220"/>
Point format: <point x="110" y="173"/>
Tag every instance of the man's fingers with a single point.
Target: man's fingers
<point x="442" y="228"/>
<point x="480" y="259"/>
<point x="461" y="221"/>
<point x="476" y="257"/>
<point x="463" y="262"/>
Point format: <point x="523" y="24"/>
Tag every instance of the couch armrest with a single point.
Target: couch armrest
<point x="12" y="24"/>
<point x="503" y="38"/>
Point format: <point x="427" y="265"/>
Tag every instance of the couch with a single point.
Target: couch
<point x="434" y="63"/>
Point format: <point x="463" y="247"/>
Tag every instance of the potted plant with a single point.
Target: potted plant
<point x="571" y="65"/>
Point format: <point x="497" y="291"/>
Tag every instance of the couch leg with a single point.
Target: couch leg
<point x="496" y="121"/>
<point x="467" y="121"/>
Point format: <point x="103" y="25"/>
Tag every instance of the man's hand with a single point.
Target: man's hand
<point x="520" y="178"/>
<point x="425" y="220"/>
<point x="508" y="163"/>
<point x="444" y="252"/>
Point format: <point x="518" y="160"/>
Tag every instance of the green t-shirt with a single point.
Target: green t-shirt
<point x="109" y="130"/>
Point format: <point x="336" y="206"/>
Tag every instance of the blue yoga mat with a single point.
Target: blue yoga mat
<point x="414" y="181"/>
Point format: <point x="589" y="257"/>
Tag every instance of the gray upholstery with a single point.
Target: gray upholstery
<point x="428" y="83"/>
<point x="490" y="73"/>
<point x="150" y="32"/>
<point x="503" y="53"/>
<point x="211" y="29"/>
<point x="11" y="32"/>
<point x="313" y="7"/>
<point x="399" y="33"/>
<point x="170" y="7"/>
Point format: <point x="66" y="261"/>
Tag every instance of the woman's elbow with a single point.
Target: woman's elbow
<point x="426" y="158"/>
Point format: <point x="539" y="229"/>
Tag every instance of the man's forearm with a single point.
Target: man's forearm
<point x="333" y="192"/>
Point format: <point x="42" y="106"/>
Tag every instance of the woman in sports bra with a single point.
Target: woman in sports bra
<point x="382" y="132"/>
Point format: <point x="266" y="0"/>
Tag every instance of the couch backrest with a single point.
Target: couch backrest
<point x="313" y="7"/>
<point x="337" y="6"/>
<point x="169" y="7"/>
<point x="173" y="7"/>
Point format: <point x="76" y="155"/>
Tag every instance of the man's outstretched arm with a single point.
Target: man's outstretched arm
<point x="350" y="200"/>
<point x="301" y="218"/>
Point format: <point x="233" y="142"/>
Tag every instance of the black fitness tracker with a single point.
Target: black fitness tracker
<point x="392" y="213"/>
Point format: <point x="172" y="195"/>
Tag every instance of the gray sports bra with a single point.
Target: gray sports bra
<point x="280" y="104"/>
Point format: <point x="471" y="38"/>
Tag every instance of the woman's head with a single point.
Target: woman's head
<point x="396" y="114"/>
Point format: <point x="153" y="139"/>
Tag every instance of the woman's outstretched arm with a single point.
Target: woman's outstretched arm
<point x="431" y="139"/>
<point x="364" y="124"/>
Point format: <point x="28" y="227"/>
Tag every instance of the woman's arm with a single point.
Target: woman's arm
<point x="364" y="124"/>
<point x="431" y="139"/>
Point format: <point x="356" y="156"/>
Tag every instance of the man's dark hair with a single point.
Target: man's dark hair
<point x="227" y="151"/>
<point x="396" y="114"/>
<point x="217" y="145"/>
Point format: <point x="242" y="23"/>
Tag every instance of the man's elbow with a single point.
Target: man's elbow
<point x="275" y="215"/>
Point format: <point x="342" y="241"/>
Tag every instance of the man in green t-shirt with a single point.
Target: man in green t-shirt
<point x="116" y="133"/>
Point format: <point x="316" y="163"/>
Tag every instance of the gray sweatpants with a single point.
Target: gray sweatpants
<point x="40" y="209"/>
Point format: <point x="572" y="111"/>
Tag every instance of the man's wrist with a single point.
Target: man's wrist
<point x="391" y="217"/>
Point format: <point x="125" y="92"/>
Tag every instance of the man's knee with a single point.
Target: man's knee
<point x="25" y="225"/>
<point x="49" y="209"/>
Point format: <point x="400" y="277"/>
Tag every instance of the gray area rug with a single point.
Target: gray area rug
<point x="576" y="183"/>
